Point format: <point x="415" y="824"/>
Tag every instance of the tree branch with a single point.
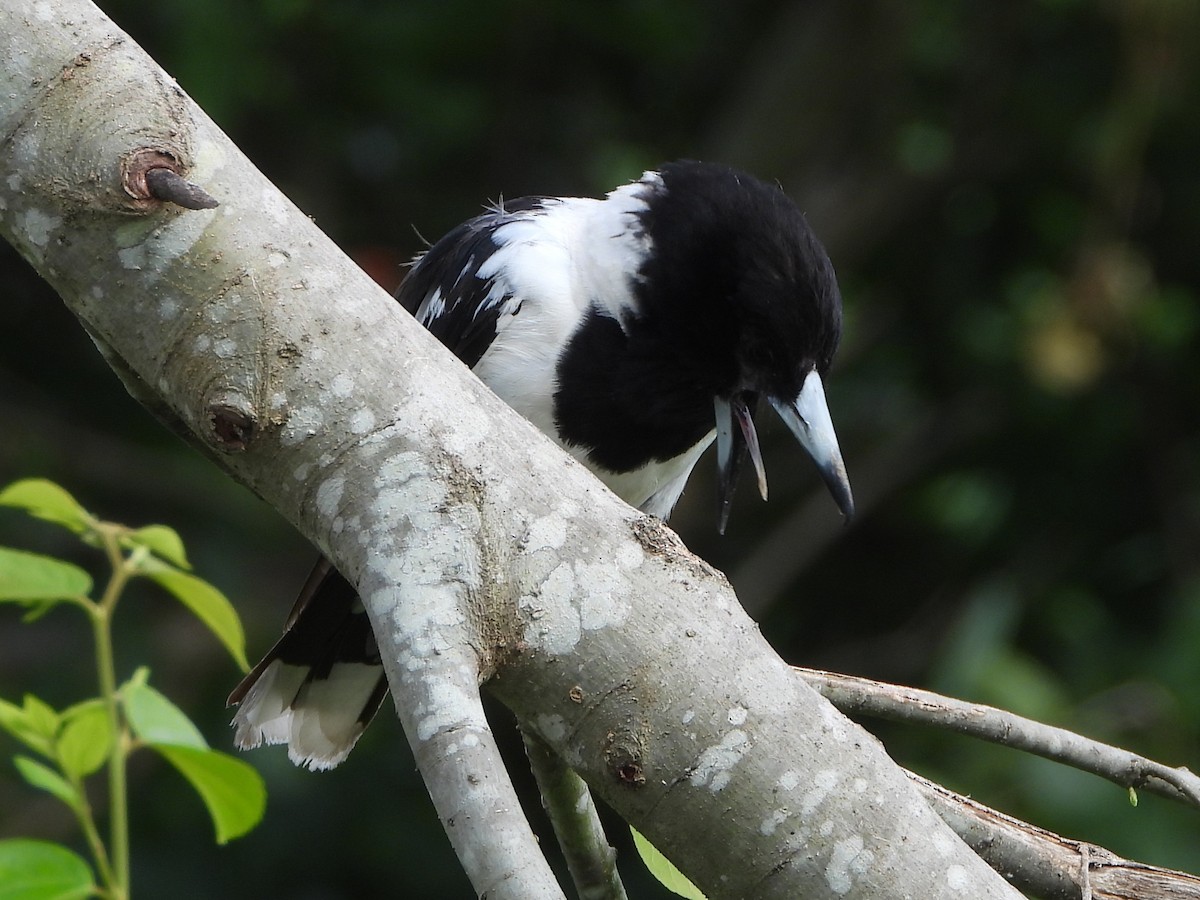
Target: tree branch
<point x="1049" y="866"/>
<point x="568" y="802"/>
<point x="904" y="704"/>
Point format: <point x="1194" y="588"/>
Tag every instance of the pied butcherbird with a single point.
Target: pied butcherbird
<point x="634" y="330"/>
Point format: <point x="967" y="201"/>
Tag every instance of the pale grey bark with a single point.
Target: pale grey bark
<point x="481" y="551"/>
<point x="904" y="704"/>
<point x="1049" y="866"/>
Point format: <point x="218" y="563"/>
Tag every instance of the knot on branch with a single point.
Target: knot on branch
<point x="153" y="175"/>
<point x="623" y="754"/>
<point x="232" y="425"/>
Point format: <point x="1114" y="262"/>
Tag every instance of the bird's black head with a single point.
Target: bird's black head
<point x="740" y="279"/>
<point x="739" y="288"/>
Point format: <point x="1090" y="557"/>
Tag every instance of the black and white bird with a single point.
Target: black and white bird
<point x="634" y="330"/>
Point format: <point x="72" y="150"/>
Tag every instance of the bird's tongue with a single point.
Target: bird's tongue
<point x="734" y="441"/>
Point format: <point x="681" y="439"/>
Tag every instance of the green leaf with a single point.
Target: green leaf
<point x="163" y="542"/>
<point x="156" y="720"/>
<point x="664" y="870"/>
<point x="86" y="739"/>
<point x="208" y="604"/>
<point x="41" y="717"/>
<point x="48" y="501"/>
<point x="1133" y="797"/>
<point x="14" y="720"/>
<point x="39" y="870"/>
<point x="41" y="776"/>
<point x="232" y="790"/>
<point x="30" y="577"/>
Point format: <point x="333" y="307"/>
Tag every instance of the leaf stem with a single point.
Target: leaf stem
<point x="118" y="800"/>
<point x="95" y="843"/>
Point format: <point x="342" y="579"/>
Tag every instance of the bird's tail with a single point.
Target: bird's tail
<point x="322" y="682"/>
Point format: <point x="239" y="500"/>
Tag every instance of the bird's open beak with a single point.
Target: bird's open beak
<point x="808" y="419"/>
<point x="735" y="438"/>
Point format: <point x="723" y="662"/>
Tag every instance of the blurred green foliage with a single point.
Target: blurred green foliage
<point x="105" y="730"/>
<point x="1009" y="193"/>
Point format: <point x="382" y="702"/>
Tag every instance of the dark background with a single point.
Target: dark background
<point x="1009" y="192"/>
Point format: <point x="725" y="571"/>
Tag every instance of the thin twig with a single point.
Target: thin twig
<point x="568" y="802"/>
<point x="889" y="701"/>
<point x="1042" y="863"/>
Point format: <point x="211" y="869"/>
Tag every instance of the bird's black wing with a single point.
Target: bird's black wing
<point x="445" y="291"/>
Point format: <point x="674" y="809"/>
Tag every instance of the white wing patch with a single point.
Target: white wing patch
<point x="433" y="306"/>
<point x="553" y="264"/>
